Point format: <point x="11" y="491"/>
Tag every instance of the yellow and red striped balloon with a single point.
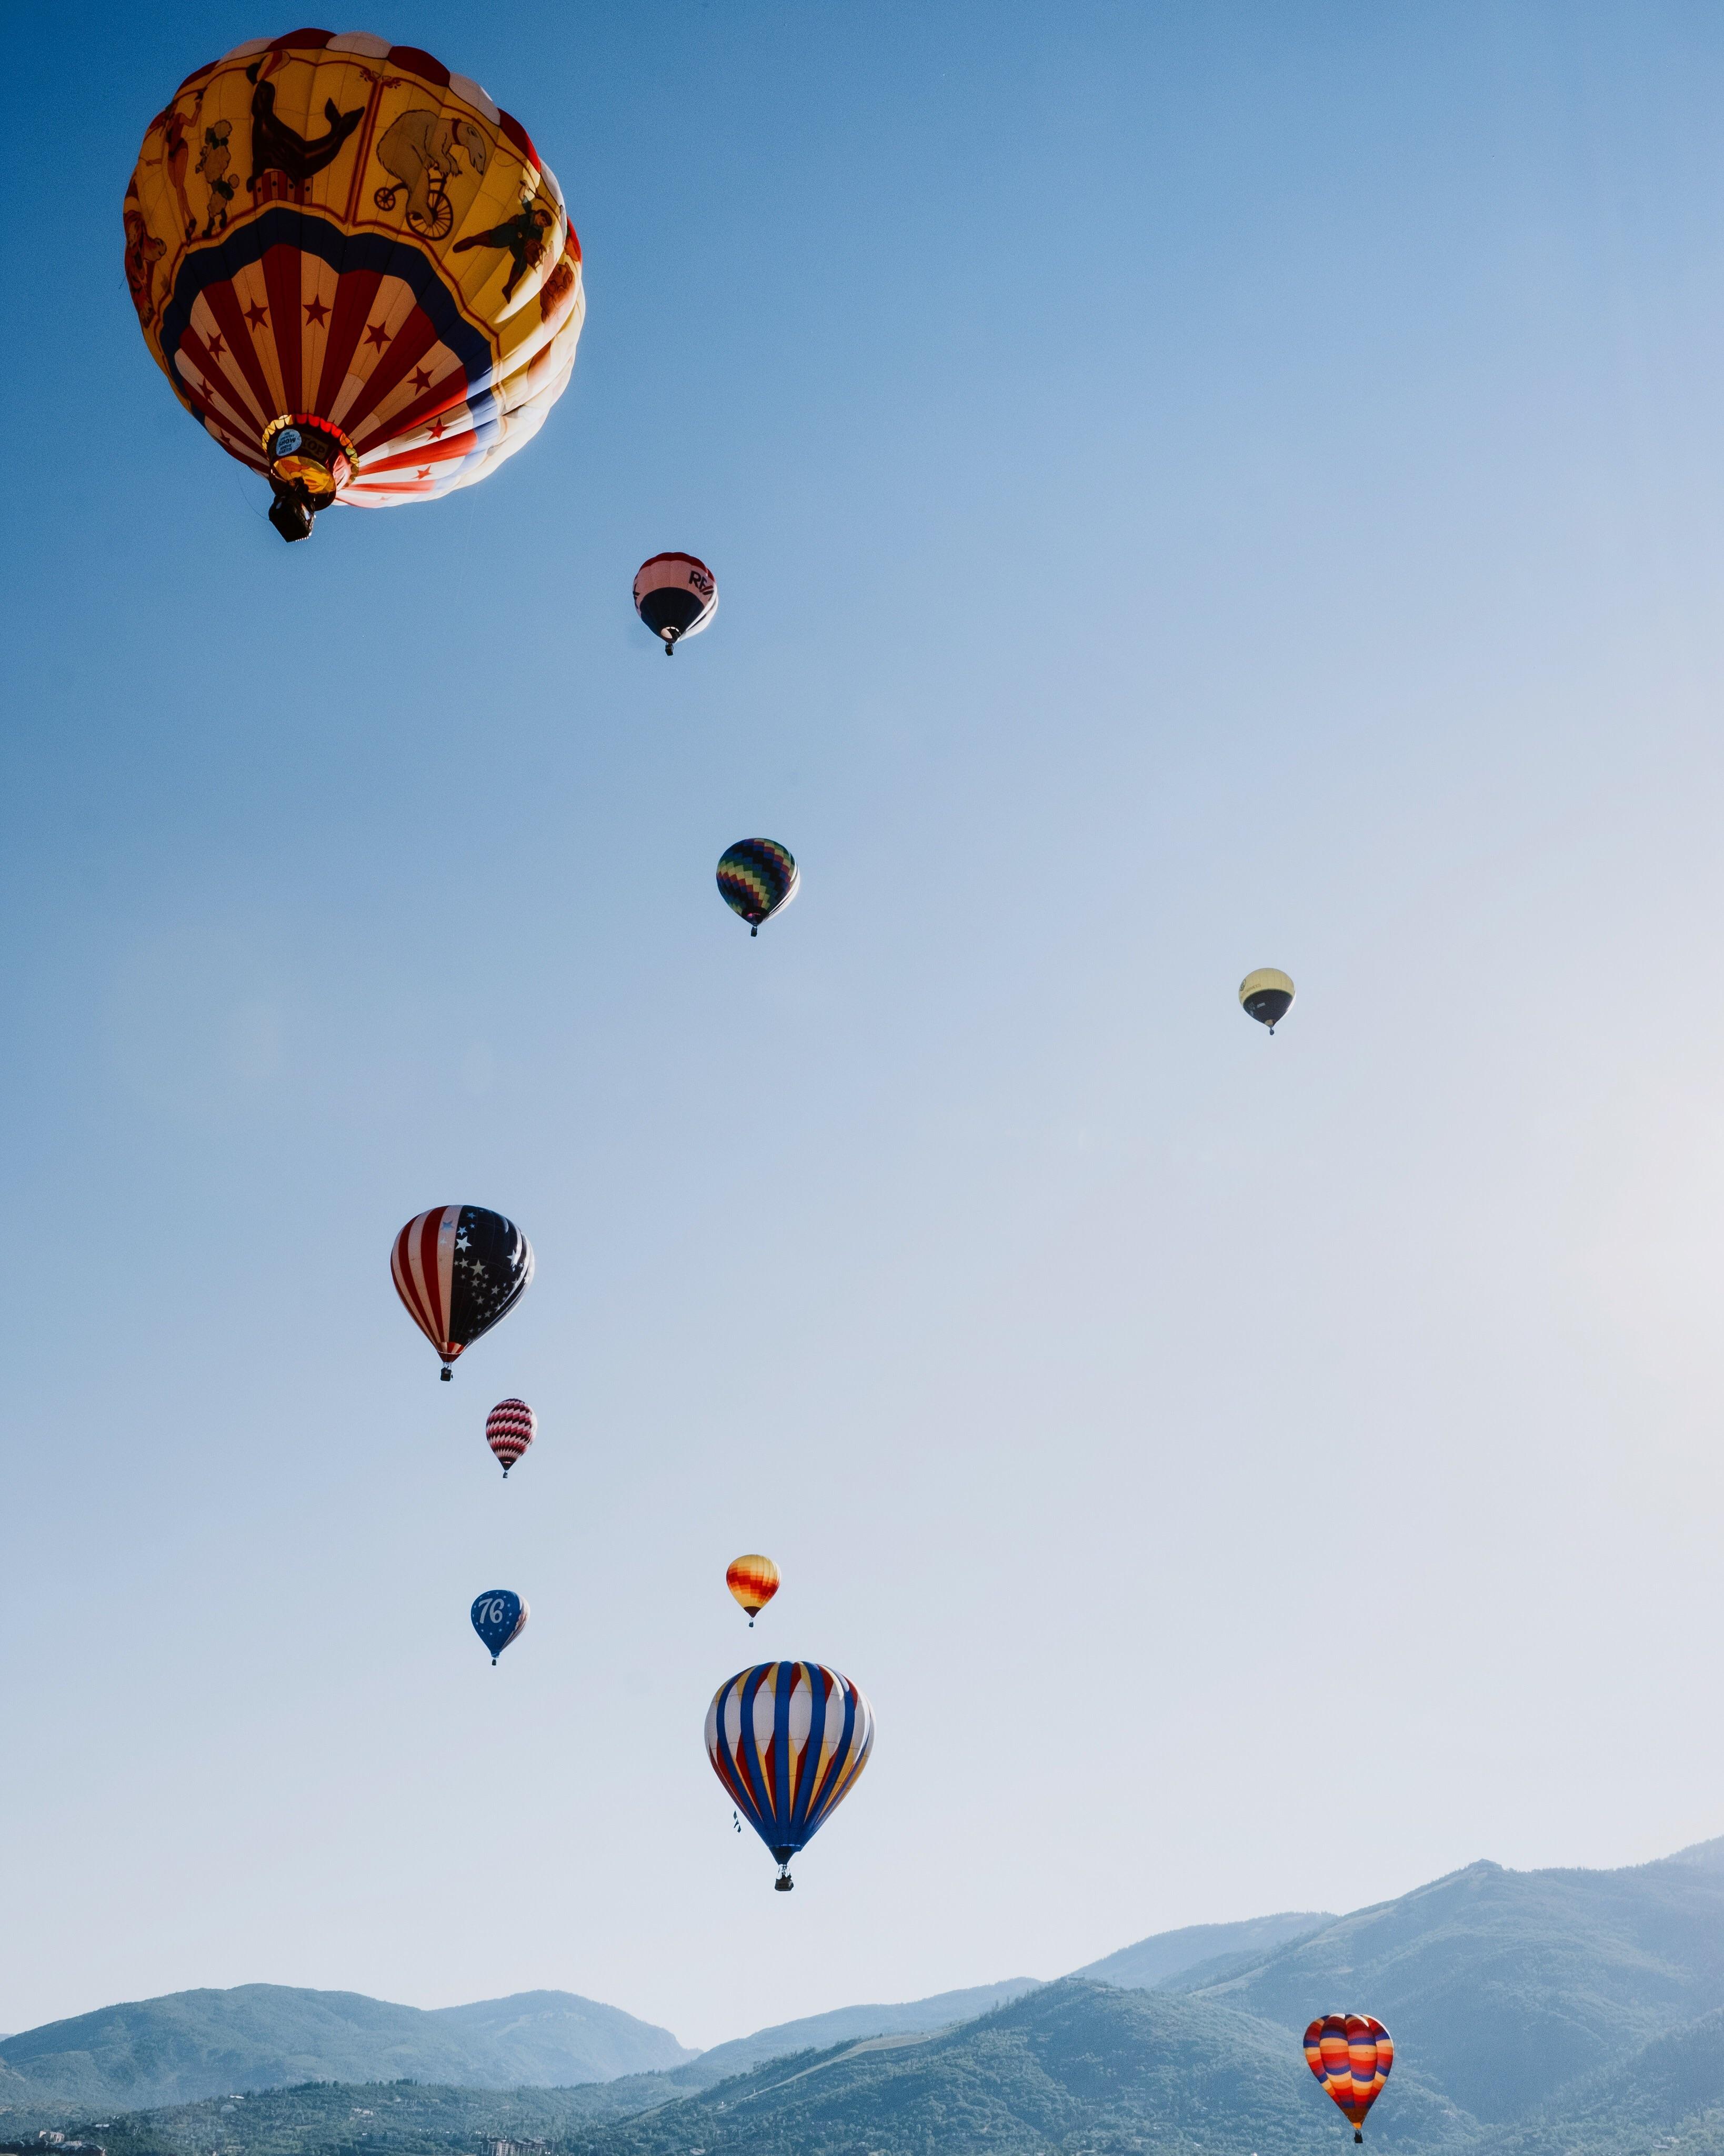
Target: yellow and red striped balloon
<point x="1351" y="2054"/>
<point x="754" y="1581"/>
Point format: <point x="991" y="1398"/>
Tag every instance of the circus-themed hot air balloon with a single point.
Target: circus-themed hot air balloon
<point x="753" y="1581"/>
<point x="1351" y="2054"/>
<point x="757" y="878"/>
<point x="676" y="596"/>
<point x="459" y="1269"/>
<point x="357" y="273"/>
<point x="499" y="1616"/>
<point x="510" y="1428"/>
<point x="787" y="1740"/>
<point x="1267" y="996"/>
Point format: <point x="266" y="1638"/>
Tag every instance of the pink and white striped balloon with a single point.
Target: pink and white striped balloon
<point x="509" y="1429"/>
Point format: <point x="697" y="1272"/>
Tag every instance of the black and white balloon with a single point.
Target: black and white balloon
<point x="676" y="595"/>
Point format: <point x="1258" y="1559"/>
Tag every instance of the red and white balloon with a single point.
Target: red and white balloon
<point x="509" y="1429"/>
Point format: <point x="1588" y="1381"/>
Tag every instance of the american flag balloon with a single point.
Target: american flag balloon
<point x="459" y="1269"/>
<point x="509" y="1429"/>
<point x="787" y="1740"/>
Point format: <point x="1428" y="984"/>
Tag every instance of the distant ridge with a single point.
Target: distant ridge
<point x="189" y="2044"/>
<point x="821" y="2030"/>
<point x="1154" y="1961"/>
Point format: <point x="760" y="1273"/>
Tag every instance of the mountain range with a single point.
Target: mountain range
<point x="1554" y="2013"/>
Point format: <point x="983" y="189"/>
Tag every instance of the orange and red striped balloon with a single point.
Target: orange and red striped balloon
<point x="754" y="1581"/>
<point x="1351" y="2054"/>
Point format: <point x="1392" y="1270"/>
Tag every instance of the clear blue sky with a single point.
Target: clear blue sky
<point x="1191" y="489"/>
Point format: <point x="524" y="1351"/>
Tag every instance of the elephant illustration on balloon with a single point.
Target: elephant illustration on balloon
<point x="419" y="149"/>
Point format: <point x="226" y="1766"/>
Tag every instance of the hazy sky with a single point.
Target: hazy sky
<point x="1191" y="488"/>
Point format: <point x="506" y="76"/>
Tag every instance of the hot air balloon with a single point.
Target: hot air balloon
<point x="757" y="878"/>
<point x="754" y="1581"/>
<point x="787" y="1740"/>
<point x="510" y="1428"/>
<point x="1351" y="2054"/>
<point x="676" y="596"/>
<point x="1267" y="995"/>
<point x="499" y="1616"/>
<point x="356" y="272"/>
<point x="459" y="1269"/>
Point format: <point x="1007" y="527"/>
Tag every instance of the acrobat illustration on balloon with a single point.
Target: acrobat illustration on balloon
<point x="357" y="272"/>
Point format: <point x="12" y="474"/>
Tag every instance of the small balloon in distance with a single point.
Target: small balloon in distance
<point x="676" y="596"/>
<point x="756" y="878"/>
<point x="1267" y="996"/>
<point x="458" y="1269"/>
<point x="499" y="1617"/>
<point x="753" y="1580"/>
<point x="510" y="1428"/>
<point x="1351" y="2054"/>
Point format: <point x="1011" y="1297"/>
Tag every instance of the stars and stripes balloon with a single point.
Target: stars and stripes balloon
<point x="753" y="1581"/>
<point x="459" y="1269"/>
<point x="757" y="878"/>
<point x="510" y="1428"/>
<point x="356" y="271"/>
<point x="499" y="1616"/>
<point x="1351" y="2054"/>
<point x="787" y="1740"/>
<point x="676" y="596"/>
<point x="1267" y="996"/>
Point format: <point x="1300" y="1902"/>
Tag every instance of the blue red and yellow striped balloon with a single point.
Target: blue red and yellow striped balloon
<point x="757" y="878"/>
<point x="676" y="596"/>
<point x="459" y="1269"/>
<point x="1351" y="2054"/>
<point x="787" y="1740"/>
<point x="354" y="270"/>
<point x="510" y="1428"/>
<point x="499" y="1617"/>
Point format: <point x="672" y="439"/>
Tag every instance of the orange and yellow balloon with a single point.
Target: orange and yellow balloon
<point x="754" y="1581"/>
<point x="1351" y="2054"/>
<point x="355" y="269"/>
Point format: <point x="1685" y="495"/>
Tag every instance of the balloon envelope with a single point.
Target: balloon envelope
<point x="356" y="271"/>
<point x="787" y="1740"/>
<point x="510" y="1428"/>
<point x="1351" y="2054"/>
<point x="753" y="1581"/>
<point x="757" y="878"/>
<point x="1267" y="996"/>
<point x="499" y="1616"/>
<point x="676" y="596"/>
<point x="459" y="1269"/>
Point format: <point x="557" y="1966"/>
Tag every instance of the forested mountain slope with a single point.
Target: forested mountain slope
<point x="1506" y="1987"/>
<point x="194" y="2044"/>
